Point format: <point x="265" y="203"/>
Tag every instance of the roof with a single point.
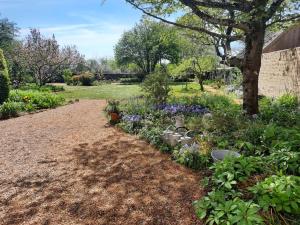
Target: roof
<point x="276" y="41"/>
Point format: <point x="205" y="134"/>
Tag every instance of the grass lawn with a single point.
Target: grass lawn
<point x="106" y="91"/>
<point x="120" y="91"/>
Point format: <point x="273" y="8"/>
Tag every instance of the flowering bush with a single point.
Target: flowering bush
<point x="174" y="109"/>
<point x="132" y="118"/>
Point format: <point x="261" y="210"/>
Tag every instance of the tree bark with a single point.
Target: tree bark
<point x="251" y="67"/>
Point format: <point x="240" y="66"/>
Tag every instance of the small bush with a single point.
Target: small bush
<point x="10" y="109"/>
<point x="35" y="99"/>
<point x="279" y="192"/>
<point x="132" y="80"/>
<point x="217" y="208"/>
<point x="4" y="79"/>
<point x="282" y="111"/>
<point x="231" y="170"/>
<point x="67" y="75"/>
<point x="157" y="86"/>
<point x="45" y="88"/>
<point x="192" y="159"/>
<point x="85" y="79"/>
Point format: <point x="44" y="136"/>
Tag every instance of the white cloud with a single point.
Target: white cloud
<point x="93" y="40"/>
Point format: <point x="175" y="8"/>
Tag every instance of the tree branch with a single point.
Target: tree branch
<point x="273" y="8"/>
<point x="290" y="18"/>
<point x="199" y="29"/>
<point x="243" y="7"/>
<point x="210" y="19"/>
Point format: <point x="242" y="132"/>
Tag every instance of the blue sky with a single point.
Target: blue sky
<point x="92" y="26"/>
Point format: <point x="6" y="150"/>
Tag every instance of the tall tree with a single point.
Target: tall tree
<point x="8" y="32"/>
<point x="229" y="21"/>
<point x="146" y="45"/>
<point x="4" y="78"/>
<point x="45" y="60"/>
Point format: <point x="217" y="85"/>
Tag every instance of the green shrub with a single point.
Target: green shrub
<point x="285" y="161"/>
<point x="157" y="86"/>
<point x="279" y="192"/>
<point x="137" y="106"/>
<point x="45" y="88"/>
<point x="4" y="79"/>
<point x="288" y="101"/>
<point x="282" y="111"/>
<point x="85" y="79"/>
<point x="217" y="208"/>
<point x="231" y="170"/>
<point x="35" y="99"/>
<point x="67" y="75"/>
<point x="193" y="160"/>
<point x="131" y="80"/>
<point x="10" y="109"/>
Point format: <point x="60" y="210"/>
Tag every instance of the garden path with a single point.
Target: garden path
<point x="63" y="166"/>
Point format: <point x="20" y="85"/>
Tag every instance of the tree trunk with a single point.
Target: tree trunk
<point x="251" y="67"/>
<point x="200" y="81"/>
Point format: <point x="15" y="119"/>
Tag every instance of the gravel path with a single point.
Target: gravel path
<point x="64" y="167"/>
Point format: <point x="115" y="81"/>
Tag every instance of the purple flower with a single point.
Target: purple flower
<point x="132" y="118"/>
<point x="174" y="109"/>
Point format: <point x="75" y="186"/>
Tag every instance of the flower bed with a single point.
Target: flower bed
<point x="269" y="147"/>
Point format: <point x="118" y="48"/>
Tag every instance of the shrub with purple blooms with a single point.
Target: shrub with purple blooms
<point x="132" y="118"/>
<point x="174" y="109"/>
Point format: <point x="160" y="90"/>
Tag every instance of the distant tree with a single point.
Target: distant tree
<point x="230" y="21"/>
<point x="198" y="66"/>
<point x="4" y="78"/>
<point x="146" y="45"/>
<point x="45" y="60"/>
<point x="8" y="32"/>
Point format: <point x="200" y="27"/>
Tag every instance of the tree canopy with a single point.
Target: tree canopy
<point x="148" y="44"/>
<point x="227" y="21"/>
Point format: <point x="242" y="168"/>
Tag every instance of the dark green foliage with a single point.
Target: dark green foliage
<point x="282" y="111"/>
<point x="231" y="170"/>
<point x="45" y="88"/>
<point x="286" y="161"/>
<point x="28" y="101"/>
<point x="113" y="106"/>
<point x="85" y="79"/>
<point x="132" y="80"/>
<point x="4" y="79"/>
<point x="193" y="160"/>
<point x="10" y="109"/>
<point x="279" y="192"/>
<point x="157" y="86"/>
<point x="217" y="208"/>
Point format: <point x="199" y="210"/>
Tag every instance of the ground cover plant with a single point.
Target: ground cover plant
<point x="28" y="101"/>
<point x="238" y="189"/>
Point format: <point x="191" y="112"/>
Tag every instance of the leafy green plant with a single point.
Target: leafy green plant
<point x="85" y="79"/>
<point x="192" y="159"/>
<point x="279" y="192"/>
<point x="4" y="79"/>
<point x="38" y="100"/>
<point x="10" y="109"/>
<point x="112" y="106"/>
<point x="286" y="161"/>
<point x="282" y="111"/>
<point x="230" y="170"/>
<point x="157" y="86"/>
<point x="216" y="208"/>
<point x="67" y="75"/>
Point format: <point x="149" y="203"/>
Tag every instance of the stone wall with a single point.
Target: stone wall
<point x="280" y="73"/>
